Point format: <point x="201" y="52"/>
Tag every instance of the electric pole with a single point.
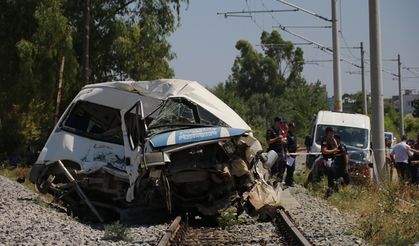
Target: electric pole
<point x="336" y="59"/>
<point x="86" y="40"/>
<point x="364" y="93"/>
<point x="401" y="110"/>
<point x="377" y="123"/>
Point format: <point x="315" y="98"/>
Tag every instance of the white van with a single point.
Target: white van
<point x="354" y="130"/>
<point x="163" y="143"/>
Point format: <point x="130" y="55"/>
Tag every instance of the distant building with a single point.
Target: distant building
<point x="349" y="103"/>
<point x="408" y="99"/>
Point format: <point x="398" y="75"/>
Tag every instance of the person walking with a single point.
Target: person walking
<point x="400" y="154"/>
<point x="291" y="148"/>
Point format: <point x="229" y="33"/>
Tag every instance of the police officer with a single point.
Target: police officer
<point x="291" y="148"/>
<point x="414" y="163"/>
<point x="329" y="148"/>
<point x="341" y="161"/>
<point x="276" y="142"/>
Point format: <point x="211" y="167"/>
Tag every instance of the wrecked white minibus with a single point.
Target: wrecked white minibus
<point x="154" y="144"/>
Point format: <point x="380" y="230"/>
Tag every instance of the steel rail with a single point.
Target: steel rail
<point x="293" y="231"/>
<point x="282" y="221"/>
<point x="170" y="232"/>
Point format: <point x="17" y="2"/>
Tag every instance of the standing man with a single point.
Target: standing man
<point x="291" y="148"/>
<point x="341" y="161"/>
<point x="400" y="154"/>
<point x="329" y="148"/>
<point x="389" y="161"/>
<point x="283" y="161"/>
<point x="274" y="139"/>
<point x="414" y="163"/>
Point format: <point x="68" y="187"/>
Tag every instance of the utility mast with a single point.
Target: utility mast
<point x="377" y="123"/>
<point x="401" y="109"/>
<point x="364" y="93"/>
<point x="337" y="85"/>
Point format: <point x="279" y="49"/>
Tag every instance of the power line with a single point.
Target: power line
<point x="320" y="46"/>
<point x="304" y="10"/>
<point x="249" y="12"/>
<point x="306" y="26"/>
<point x="273" y="45"/>
<point x="251" y="17"/>
<point x="412" y="72"/>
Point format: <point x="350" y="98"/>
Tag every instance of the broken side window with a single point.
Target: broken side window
<point x="94" y="121"/>
<point x="135" y="126"/>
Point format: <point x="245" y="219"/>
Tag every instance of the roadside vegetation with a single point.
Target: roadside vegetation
<point x="388" y="215"/>
<point x="384" y="215"/>
<point x="15" y="173"/>
<point x="117" y="232"/>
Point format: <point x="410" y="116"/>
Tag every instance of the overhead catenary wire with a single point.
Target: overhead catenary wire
<point x="304" y="10"/>
<point x="272" y="45"/>
<point x="285" y="29"/>
<point x="251" y="17"/>
<point x="306" y="26"/>
<point x="250" y="12"/>
<point x="317" y="45"/>
<point x="412" y="72"/>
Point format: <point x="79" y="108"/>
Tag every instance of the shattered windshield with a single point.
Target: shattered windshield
<point x="180" y="112"/>
<point x="351" y="136"/>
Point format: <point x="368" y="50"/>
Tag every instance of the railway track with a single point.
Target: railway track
<point x="281" y="231"/>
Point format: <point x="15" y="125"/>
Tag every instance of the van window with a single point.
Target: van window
<point x="178" y="113"/>
<point x="134" y="124"/>
<point x="94" y="121"/>
<point x="351" y="136"/>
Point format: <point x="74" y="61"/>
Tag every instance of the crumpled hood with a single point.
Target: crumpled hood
<point x="193" y="135"/>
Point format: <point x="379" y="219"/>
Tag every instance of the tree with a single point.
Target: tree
<point x="269" y="84"/>
<point x="129" y="36"/>
<point x="289" y="59"/>
<point x="415" y="105"/>
<point x="128" y="41"/>
<point x="254" y="72"/>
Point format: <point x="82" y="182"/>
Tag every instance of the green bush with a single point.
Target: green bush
<point x="116" y="232"/>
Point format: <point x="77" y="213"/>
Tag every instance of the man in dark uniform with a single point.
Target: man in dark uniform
<point x="275" y="140"/>
<point x="341" y="162"/>
<point x="291" y="148"/>
<point x="329" y="148"/>
<point x="414" y="163"/>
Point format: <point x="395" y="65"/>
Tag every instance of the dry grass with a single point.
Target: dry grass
<point x="388" y="215"/>
<point x="15" y="173"/>
<point x="385" y="215"/>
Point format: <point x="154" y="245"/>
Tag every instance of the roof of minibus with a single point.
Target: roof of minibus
<point x="164" y="88"/>
<point x="343" y="119"/>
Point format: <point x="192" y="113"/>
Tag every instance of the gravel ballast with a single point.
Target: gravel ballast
<point x="24" y="222"/>
<point x="27" y="221"/>
<point x="321" y="223"/>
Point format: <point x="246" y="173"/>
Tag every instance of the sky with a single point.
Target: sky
<point x="204" y="42"/>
